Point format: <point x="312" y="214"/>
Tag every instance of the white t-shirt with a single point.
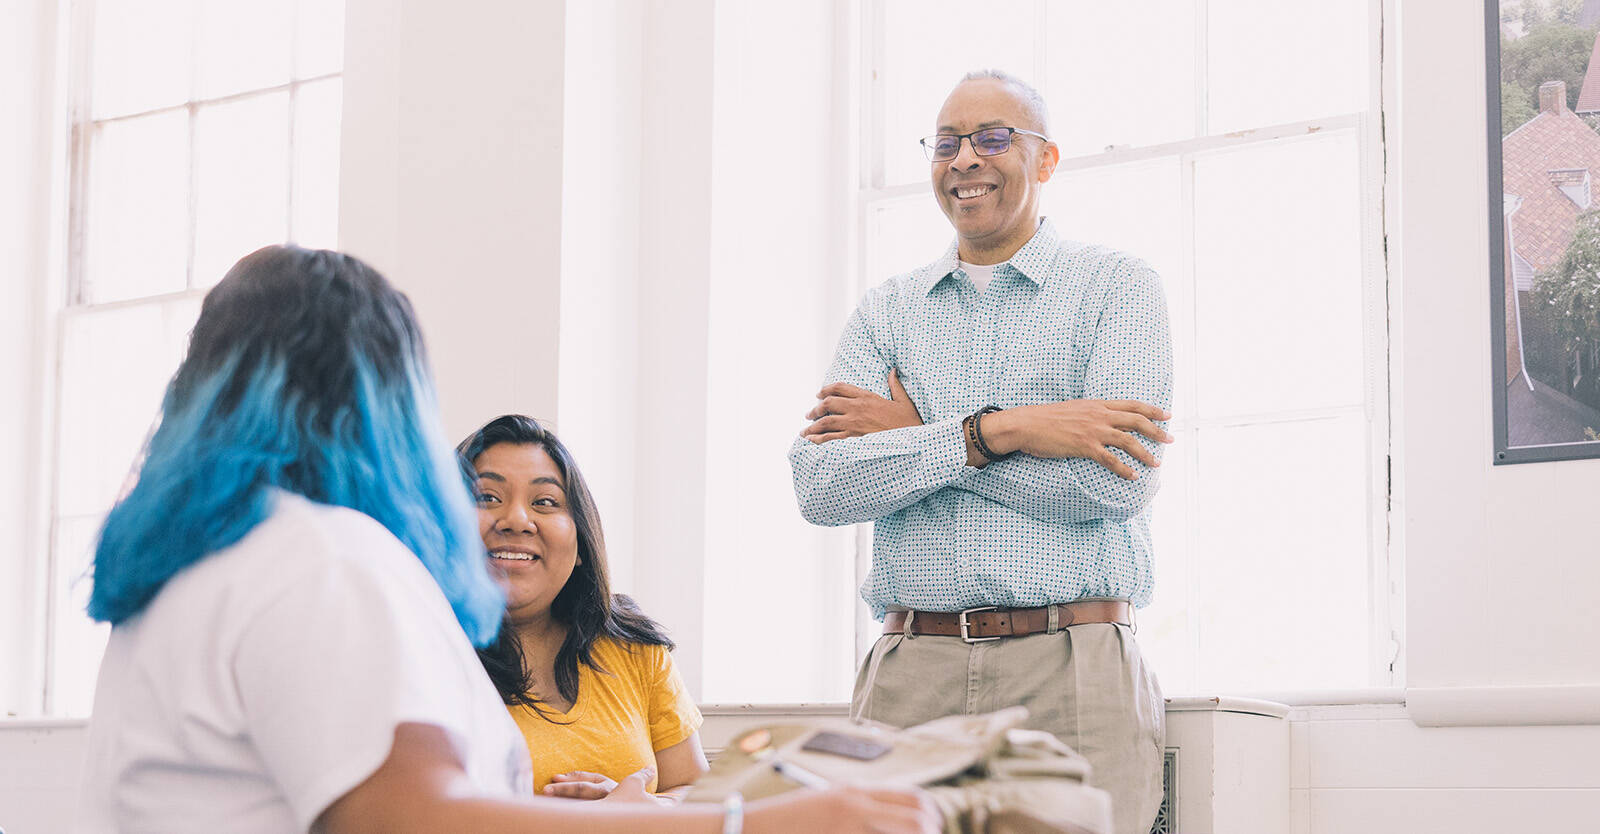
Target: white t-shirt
<point x="981" y="274"/>
<point x="266" y="680"/>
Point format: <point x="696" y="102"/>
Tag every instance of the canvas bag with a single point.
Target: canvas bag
<point x="985" y="773"/>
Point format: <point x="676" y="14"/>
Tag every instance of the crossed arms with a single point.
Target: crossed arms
<point x="868" y="452"/>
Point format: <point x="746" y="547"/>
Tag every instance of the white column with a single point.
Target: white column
<point x="676" y="161"/>
<point x="599" y="380"/>
<point x="32" y="153"/>
<point x="451" y="182"/>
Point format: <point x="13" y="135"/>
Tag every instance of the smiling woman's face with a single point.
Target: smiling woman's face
<point x="527" y="526"/>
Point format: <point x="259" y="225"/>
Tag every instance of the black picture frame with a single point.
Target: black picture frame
<point x="1538" y="414"/>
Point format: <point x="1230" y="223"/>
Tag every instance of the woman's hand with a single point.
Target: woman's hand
<point x="847" y="810"/>
<point x="632" y="788"/>
<point x="580" y="784"/>
<point x="583" y="784"/>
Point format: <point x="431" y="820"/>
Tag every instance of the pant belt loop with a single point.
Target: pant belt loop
<point x="1053" y="621"/>
<point x="906" y="630"/>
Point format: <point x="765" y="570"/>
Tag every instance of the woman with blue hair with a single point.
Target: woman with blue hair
<point x="295" y="587"/>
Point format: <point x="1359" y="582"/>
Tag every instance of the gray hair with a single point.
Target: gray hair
<point x="1033" y="105"/>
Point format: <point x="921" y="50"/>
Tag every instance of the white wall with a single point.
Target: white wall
<point x="598" y="401"/>
<point x="669" y="435"/>
<point x="1502" y="563"/>
<point x="41" y="763"/>
<point x="1370" y="769"/>
<point x="451" y="182"/>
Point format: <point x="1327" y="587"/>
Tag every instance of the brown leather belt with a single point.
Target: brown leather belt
<point x="978" y="624"/>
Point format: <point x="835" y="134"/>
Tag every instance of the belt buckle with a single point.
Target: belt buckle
<point x="966" y="636"/>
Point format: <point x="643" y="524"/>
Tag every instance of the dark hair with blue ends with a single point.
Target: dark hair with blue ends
<point x="585" y="604"/>
<point x="306" y="372"/>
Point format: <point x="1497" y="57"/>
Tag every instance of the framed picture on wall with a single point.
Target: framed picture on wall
<point x="1544" y="227"/>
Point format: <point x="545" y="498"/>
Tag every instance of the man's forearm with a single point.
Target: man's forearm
<point x="1062" y="491"/>
<point x="1067" y="490"/>
<point x="859" y="479"/>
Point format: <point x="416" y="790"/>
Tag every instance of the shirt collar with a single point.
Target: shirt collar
<point x="1032" y="261"/>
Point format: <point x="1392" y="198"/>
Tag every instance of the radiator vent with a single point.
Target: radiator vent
<point x="1167" y="816"/>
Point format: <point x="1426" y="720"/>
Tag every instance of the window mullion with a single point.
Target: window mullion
<point x="873" y="125"/>
<point x="193" y="186"/>
<point x="294" y="110"/>
<point x="1190" y="450"/>
<point x="1202" y="61"/>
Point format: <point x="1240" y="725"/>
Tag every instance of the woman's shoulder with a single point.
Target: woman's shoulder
<point x="642" y="663"/>
<point x="630" y="652"/>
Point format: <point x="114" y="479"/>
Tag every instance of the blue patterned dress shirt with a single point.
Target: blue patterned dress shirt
<point x="1060" y="321"/>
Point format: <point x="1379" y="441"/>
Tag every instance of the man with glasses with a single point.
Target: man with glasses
<point x="999" y="416"/>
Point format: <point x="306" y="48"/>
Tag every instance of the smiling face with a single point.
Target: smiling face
<point x="992" y="201"/>
<point x="526" y="522"/>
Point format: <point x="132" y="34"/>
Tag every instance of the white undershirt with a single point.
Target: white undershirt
<point x="981" y="274"/>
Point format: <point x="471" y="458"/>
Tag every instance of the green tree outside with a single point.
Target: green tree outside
<point x="1550" y="11"/>
<point x="1566" y="297"/>
<point x="1550" y="51"/>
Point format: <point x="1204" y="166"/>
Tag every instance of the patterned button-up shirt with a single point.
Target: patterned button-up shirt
<point x="1061" y="321"/>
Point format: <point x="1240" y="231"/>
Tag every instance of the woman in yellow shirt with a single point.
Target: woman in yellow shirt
<point x="587" y="676"/>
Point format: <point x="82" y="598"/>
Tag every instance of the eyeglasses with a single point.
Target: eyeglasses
<point x="991" y="141"/>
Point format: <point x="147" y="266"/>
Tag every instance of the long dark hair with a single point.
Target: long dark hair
<point x="306" y="372"/>
<point x="585" y="604"/>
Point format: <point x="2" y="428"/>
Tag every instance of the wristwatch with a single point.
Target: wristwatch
<point x="733" y="813"/>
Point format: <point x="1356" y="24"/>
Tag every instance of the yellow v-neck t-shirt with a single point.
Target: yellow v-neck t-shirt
<point x="622" y="716"/>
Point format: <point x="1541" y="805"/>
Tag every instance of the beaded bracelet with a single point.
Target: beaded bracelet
<point x="977" y="433"/>
<point x="966" y="429"/>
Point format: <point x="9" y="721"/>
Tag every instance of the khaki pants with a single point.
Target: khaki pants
<point x="1087" y="684"/>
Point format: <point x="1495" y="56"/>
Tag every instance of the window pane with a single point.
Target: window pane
<point x="141" y="55"/>
<point x="928" y="46"/>
<point x="138" y="218"/>
<point x="1166" y="629"/>
<point x="242" y="45"/>
<point x="1278" y="281"/>
<point x="241" y="169"/>
<point x="1136" y="208"/>
<point x="1281" y="570"/>
<point x="319" y="37"/>
<point x="903" y="235"/>
<point x="1116" y="78"/>
<point x="78" y="642"/>
<point x="1275" y="61"/>
<point x="316" y="165"/>
<point x="115" y="365"/>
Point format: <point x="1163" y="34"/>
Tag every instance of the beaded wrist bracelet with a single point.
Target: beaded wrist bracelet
<point x="975" y="433"/>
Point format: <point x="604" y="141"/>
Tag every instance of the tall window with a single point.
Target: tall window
<point x="200" y="132"/>
<point x="1233" y="145"/>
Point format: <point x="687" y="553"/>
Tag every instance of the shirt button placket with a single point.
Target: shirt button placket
<point x="980" y="382"/>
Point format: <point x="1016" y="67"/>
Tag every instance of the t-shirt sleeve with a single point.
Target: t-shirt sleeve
<point x="343" y="655"/>
<point x="673" y="715"/>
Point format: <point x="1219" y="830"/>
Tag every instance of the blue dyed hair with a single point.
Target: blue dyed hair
<point x="306" y="372"/>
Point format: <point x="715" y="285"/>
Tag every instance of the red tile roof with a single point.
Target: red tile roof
<point x="1552" y="141"/>
<point x="1589" y="96"/>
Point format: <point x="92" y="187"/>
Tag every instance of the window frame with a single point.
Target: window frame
<point x="71" y="293"/>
